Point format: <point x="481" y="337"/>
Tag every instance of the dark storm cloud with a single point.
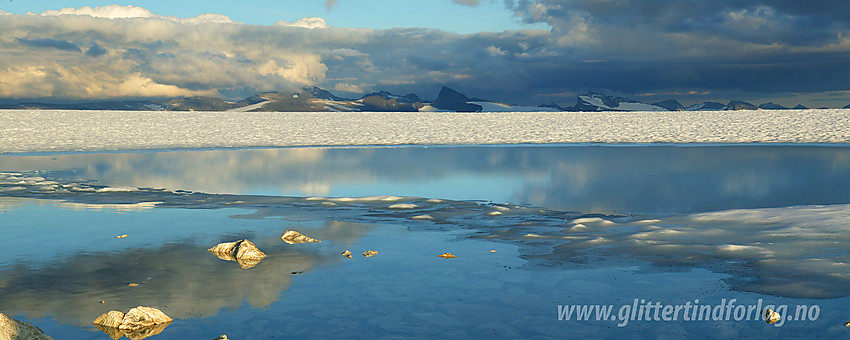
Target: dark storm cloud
<point x="50" y="43"/>
<point x="630" y="47"/>
<point x="791" y="22"/>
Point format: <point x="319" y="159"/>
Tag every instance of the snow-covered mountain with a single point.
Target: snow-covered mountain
<point x="731" y="106"/>
<point x="600" y="102"/>
<point x="671" y="104"/>
<point x="739" y="105"/>
<point x="706" y="106"/>
<point x="772" y="106"/>
<point x="315" y="99"/>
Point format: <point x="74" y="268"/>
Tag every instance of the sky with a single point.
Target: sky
<point x="525" y="52"/>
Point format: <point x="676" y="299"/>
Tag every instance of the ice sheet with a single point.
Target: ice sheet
<point x="51" y="131"/>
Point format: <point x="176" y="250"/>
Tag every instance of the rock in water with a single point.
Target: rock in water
<point x="770" y="316"/>
<point x="293" y="237"/>
<point x="221" y="337"/>
<point x="111" y="318"/>
<point x="370" y="253"/>
<point x="242" y="251"/>
<point x="143" y="317"/>
<point x="248" y="251"/>
<point x="139" y="323"/>
<point x="13" y="330"/>
<point x="225" y="251"/>
<point x="447" y="255"/>
<point x="347" y="254"/>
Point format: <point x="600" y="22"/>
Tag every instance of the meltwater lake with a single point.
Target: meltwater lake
<point x="538" y="229"/>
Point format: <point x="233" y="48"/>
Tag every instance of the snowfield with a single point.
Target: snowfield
<point x="23" y="131"/>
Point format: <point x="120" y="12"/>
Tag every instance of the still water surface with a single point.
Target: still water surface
<point x="569" y="225"/>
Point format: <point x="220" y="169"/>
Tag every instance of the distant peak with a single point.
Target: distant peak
<point x="670" y="104"/>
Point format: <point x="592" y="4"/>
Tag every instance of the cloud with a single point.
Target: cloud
<point x="495" y="51"/>
<point x="151" y="55"/>
<point x="130" y="12"/>
<point x="350" y="88"/>
<point x="310" y="23"/>
<point x="737" y="48"/>
<point x="109" y="12"/>
<point x="740" y="46"/>
<point x="612" y="23"/>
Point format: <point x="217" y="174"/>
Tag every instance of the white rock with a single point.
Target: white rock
<point x="293" y="237"/>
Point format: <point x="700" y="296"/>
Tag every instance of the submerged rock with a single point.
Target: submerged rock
<point x="370" y="253"/>
<point x="447" y="255"/>
<point x="293" y="237"/>
<point x="243" y="251"/>
<point x="13" y="329"/>
<point x="347" y="254"/>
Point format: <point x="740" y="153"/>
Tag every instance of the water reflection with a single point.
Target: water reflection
<point x="604" y="179"/>
<point x="181" y="278"/>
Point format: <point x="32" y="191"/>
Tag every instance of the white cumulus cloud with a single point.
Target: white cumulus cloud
<point x="109" y="12"/>
<point x="127" y="51"/>
<point x="129" y="11"/>
<point x="310" y="23"/>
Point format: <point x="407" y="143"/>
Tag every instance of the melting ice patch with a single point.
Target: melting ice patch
<point x="799" y="251"/>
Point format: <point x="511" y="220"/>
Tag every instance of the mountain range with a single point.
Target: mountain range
<point x="315" y="99"/>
